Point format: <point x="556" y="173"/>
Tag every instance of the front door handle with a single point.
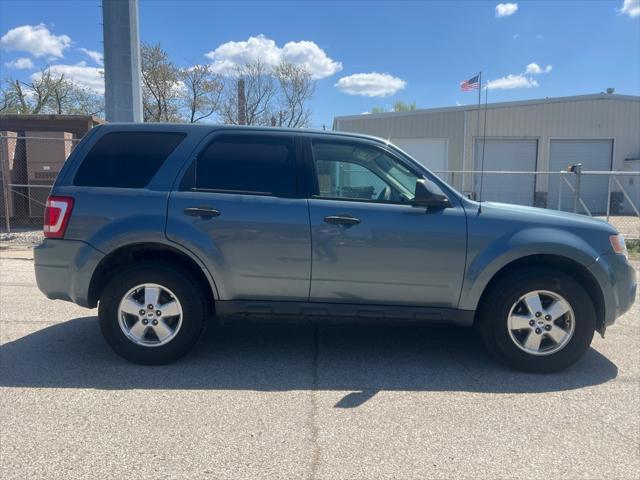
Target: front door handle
<point x="202" y="212"/>
<point x="342" y="219"/>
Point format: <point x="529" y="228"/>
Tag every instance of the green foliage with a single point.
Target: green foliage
<point x="398" y="106"/>
<point x="51" y="93"/>
<point x="401" y="106"/>
<point x="633" y="247"/>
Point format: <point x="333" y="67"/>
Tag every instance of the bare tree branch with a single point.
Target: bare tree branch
<point x="260" y="91"/>
<point x="297" y="88"/>
<point x="202" y="92"/>
<point x="161" y="85"/>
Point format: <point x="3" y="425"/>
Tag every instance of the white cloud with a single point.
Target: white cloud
<point x="506" y="9"/>
<point x="631" y="8"/>
<point x="520" y="80"/>
<point x="89" y="77"/>
<point x="231" y="54"/>
<point x="20" y="63"/>
<point x="511" y="81"/>
<point x="370" y="84"/>
<point x="35" y="39"/>
<point x="516" y="35"/>
<point x="228" y="55"/>
<point x="535" y="69"/>
<point x="93" y="55"/>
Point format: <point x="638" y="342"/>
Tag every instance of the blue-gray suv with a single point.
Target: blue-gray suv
<point x="165" y="226"/>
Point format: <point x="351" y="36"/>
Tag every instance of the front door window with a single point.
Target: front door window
<point x="346" y="171"/>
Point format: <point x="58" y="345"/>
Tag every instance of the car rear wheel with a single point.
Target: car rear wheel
<point x="152" y="312"/>
<point x="537" y="320"/>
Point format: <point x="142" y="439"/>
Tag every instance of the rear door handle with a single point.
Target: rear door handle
<point x="342" y="219"/>
<point x="202" y="212"/>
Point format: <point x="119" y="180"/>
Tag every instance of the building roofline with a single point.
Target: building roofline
<point x="52" y="116"/>
<point x="517" y="103"/>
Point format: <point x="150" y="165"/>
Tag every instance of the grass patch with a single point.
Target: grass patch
<point x="633" y="246"/>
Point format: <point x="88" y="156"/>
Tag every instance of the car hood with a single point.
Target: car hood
<point x="543" y="216"/>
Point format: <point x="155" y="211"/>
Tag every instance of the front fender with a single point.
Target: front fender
<point x="486" y="260"/>
<point x="617" y="278"/>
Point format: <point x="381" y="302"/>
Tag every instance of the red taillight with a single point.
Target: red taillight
<point x="56" y="216"/>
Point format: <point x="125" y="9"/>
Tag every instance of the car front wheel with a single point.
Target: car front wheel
<point x="537" y="320"/>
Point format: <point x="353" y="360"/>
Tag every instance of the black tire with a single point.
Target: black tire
<point x="189" y="293"/>
<point x="494" y="312"/>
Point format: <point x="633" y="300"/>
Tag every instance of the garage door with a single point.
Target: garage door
<point x="430" y="152"/>
<point x="507" y="155"/>
<point x="594" y="155"/>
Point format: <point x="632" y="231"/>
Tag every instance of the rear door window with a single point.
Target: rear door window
<point x="126" y="159"/>
<point x="253" y="164"/>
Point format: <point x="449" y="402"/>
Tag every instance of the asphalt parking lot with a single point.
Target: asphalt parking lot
<point x="303" y="402"/>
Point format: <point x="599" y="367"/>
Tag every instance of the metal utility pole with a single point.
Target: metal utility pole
<point x="123" y="94"/>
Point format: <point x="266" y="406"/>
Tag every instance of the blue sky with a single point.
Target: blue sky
<point x="364" y="53"/>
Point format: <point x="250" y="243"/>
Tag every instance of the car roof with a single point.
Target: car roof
<point x="204" y="129"/>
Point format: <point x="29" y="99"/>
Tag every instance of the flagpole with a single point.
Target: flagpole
<point x="479" y="89"/>
<point x="478" y="122"/>
<point x="484" y="141"/>
<point x="479" y="103"/>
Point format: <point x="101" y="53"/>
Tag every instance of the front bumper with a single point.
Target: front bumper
<point x="617" y="278"/>
<point x="64" y="269"/>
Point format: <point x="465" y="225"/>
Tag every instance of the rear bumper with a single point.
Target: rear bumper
<point x="64" y="269"/>
<point x="617" y="278"/>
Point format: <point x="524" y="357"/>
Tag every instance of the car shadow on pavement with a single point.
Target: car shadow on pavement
<point x="359" y="359"/>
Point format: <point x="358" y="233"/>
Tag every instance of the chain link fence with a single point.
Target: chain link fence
<point x="29" y="165"/>
<point x="611" y="196"/>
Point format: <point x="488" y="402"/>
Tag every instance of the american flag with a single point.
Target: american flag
<point x="471" y="84"/>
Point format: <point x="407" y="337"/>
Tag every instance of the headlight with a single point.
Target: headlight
<point x="618" y="245"/>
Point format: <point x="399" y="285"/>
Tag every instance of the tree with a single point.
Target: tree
<point x="398" y="106"/>
<point x="259" y="93"/>
<point x="161" y="85"/>
<point x="14" y="99"/>
<point x="201" y="92"/>
<point x="29" y="98"/>
<point x="49" y="92"/>
<point x="254" y="94"/>
<point x="401" y="106"/>
<point x="71" y="99"/>
<point x="296" y="90"/>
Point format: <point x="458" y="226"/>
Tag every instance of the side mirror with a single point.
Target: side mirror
<point x="429" y="195"/>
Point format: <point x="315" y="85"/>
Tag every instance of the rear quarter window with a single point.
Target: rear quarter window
<point x="126" y="159"/>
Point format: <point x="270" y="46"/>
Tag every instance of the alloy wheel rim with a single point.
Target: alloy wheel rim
<point x="150" y="315"/>
<point x="541" y="322"/>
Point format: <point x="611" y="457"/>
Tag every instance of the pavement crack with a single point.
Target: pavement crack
<point x="313" y="413"/>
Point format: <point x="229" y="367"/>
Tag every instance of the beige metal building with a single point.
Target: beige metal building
<point x="600" y="131"/>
